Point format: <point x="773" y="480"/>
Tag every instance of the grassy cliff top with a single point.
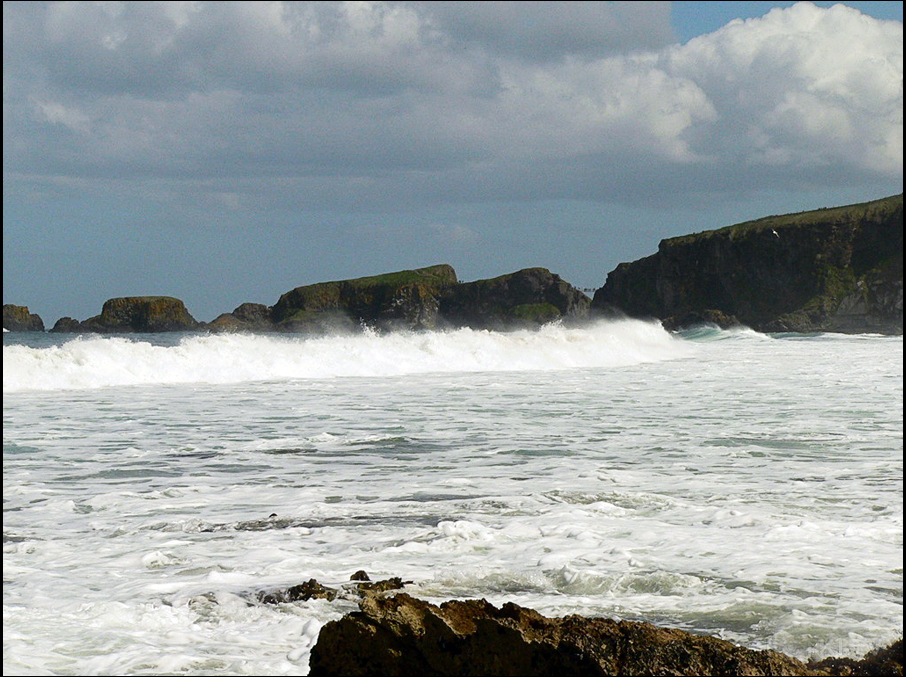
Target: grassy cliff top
<point x="143" y="299"/>
<point x="441" y="274"/>
<point x="873" y="210"/>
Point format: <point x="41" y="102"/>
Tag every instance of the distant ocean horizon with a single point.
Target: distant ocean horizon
<point x="727" y="482"/>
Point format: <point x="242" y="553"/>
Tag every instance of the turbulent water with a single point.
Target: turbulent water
<point x="730" y="483"/>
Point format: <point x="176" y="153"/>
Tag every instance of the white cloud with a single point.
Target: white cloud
<point x="396" y="101"/>
<point x="803" y="86"/>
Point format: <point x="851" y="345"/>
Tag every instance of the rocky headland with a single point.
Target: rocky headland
<point x="397" y="634"/>
<point x="838" y="270"/>
<point x="17" y="318"/>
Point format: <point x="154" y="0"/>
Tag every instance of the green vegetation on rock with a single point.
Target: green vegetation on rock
<point x="406" y="299"/>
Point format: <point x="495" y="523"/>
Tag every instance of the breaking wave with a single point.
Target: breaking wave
<point x="99" y="361"/>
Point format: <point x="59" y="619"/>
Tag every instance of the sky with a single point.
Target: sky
<point x="228" y="152"/>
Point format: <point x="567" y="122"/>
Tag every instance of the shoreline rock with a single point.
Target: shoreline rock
<point x="402" y="635"/>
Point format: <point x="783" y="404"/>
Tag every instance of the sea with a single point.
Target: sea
<point x="725" y="482"/>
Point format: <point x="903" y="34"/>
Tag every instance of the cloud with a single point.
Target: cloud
<point x="385" y="104"/>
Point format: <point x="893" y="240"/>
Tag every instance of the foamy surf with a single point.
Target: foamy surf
<point x="96" y="362"/>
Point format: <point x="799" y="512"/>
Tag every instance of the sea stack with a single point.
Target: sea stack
<point x="18" y="318"/>
<point x="134" y="314"/>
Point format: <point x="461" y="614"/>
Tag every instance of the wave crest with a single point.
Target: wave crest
<point x="95" y="362"/>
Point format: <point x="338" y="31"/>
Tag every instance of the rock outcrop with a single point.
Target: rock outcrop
<point x="406" y="299"/>
<point x="17" y="318"/>
<point x="360" y="585"/>
<point x="66" y="325"/>
<point x="526" y="298"/>
<point x="134" y="314"/>
<point x="254" y="317"/>
<point x="401" y="635"/>
<point x="838" y="269"/>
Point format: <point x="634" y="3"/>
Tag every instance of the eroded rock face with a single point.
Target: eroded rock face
<point x="402" y="635"/>
<point x="406" y="299"/>
<point x="17" y="318"/>
<point x="526" y="298"/>
<point x="134" y="314"/>
<point x="837" y="269"/>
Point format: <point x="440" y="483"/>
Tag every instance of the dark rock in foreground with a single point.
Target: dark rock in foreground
<point x="879" y="663"/>
<point x="360" y="585"/>
<point x="402" y="635"/>
<point x="134" y="314"/>
<point x="17" y="318"/>
<point x="838" y="269"/>
<point x="406" y="299"/>
<point x="526" y="298"/>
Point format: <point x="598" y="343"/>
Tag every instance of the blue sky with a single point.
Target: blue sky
<point x="228" y="152"/>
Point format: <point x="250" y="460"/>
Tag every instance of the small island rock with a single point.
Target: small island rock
<point x="18" y="318"/>
<point x="135" y="314"/>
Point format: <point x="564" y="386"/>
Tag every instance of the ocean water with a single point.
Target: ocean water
<point x="724" y="482"/>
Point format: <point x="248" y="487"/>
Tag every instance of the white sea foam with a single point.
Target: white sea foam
<point x="93" y="362"/>
<point x="753" y="491"/>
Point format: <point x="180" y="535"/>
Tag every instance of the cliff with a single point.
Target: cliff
<point x="17" y="318"/>
<point x="838" y="269"/>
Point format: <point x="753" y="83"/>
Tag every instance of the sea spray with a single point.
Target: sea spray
<point x="99" y="361"/>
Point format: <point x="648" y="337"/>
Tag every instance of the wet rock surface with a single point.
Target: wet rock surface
<point x="360" y="585"/>
<point x="402" y="635"/>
